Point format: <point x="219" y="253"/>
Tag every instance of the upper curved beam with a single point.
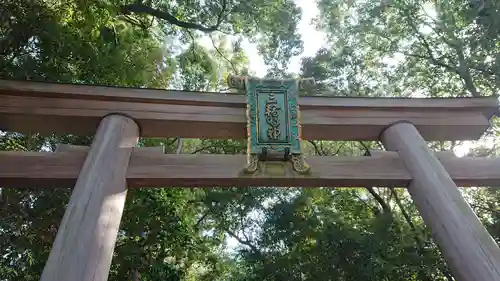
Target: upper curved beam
<point x="69" y="108"/>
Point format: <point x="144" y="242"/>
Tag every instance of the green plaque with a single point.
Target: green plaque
<point x="273" y="120"/>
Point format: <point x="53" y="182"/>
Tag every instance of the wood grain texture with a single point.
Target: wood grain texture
<point x="226" y="170"/>
<point x="153" y="169"/>
<point x="85" y="241"/>
<point x="149" y="150"/>
<point x="440" y="155"/>
<point x="81" y="117"/>
<point x="488" y="105"/>
<point x="470" y="251"/>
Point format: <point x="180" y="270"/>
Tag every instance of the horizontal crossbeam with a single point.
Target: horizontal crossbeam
<point x="77" y="109"/>
<point x="150" y="168"/>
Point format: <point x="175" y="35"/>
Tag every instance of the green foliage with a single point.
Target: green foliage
<point x="271" y="24"/>
<point x="408" y="47"/>
<point x="62" y="42"/>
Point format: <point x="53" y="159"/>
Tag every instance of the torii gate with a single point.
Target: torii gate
<point x="101" y="174"/>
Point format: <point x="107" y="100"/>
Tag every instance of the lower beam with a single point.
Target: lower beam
<point x="149" y="167"/>
<point x="86" y="238"/>
<point x="226" y="171"/>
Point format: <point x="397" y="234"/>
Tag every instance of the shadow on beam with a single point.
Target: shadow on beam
<point x="151" y="168"/>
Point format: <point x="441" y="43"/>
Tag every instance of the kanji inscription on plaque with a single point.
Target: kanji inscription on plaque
<point x="273" y="120"/>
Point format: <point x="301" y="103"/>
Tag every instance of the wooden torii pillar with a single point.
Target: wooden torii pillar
<point x="470" y="251"/>
<point x="85" y="241"/>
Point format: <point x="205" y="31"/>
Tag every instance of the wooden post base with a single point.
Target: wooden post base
<point x="471" y="252"/>
<point x="85" y="241"/>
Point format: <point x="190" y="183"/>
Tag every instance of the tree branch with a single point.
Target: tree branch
<point x="366" y="148"/>
<point x="427" y="46"/>
<point x="316" y="148"/>
<point x="418" y="241"/>
<point x="406" y="216"/>
<point x="174" y="140"/>
<point x="201" y="149"/>
<point x="462" y="69"/>
<point x="339" y="148"/>
<point x="222" y="55"/>
<point x="434" y="61"/>
<point x="485" y="71"/>
<point x="143" y="9"/>
<point x="201" y="219"/>
<point x="244" y="242"/>
<point x="385" y="207"/>
<point x="374" y="209"/>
